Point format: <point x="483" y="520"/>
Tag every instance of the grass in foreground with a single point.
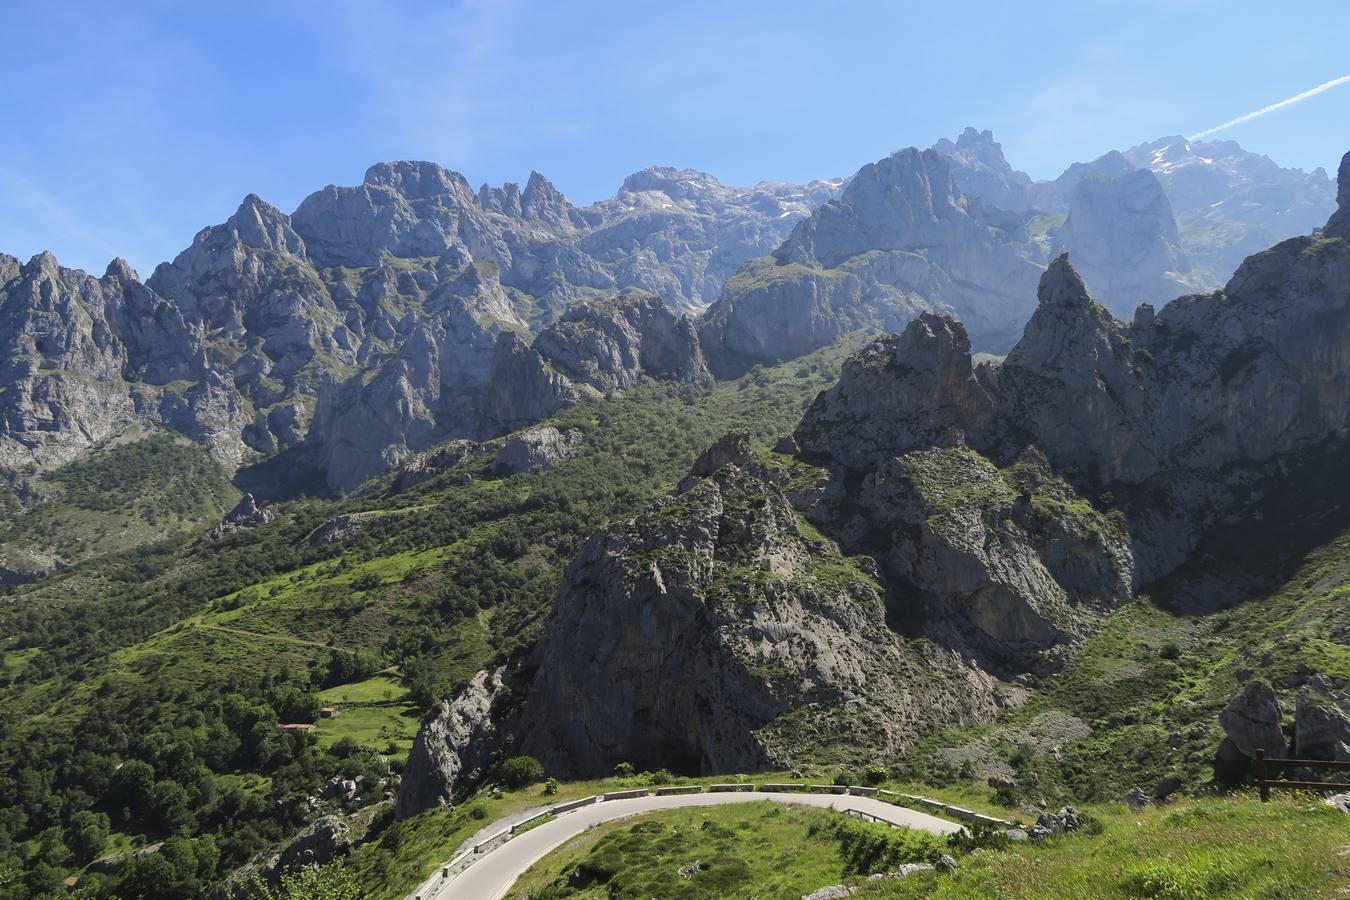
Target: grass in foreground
<point x="1211" y="848"/>
<point x="743" y="851"/>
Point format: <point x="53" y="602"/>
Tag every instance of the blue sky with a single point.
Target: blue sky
<point x="129" y="126"/>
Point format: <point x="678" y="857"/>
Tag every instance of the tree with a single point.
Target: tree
<point x="87" y="835"/>
<point x="131" y="785"/>
<point x="330" y="882"/>
<point x="52" y="846"/>
<point x="168" y="807"/>
<point x="518" y="771"/>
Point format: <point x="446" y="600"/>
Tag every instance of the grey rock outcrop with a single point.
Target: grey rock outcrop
<point x="1321" y="728"/>
<point x="1339" y="223"/>
<point x="1251" y="722"/>
<point x="535" y="448"/>
<point x="427" y="465"/>
<point x="454" y="745"/>
<point x="721" y="617"/>
<point x="610" y="345"/>
<point x="320" y="843"/>
<point x="1166" y="787"/>
<point x="342" y="527"/>
<point x="246" y="514"/>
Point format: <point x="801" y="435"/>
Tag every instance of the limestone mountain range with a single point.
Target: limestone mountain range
<point x="380" y="319"/>
<point x="933" y="533"/>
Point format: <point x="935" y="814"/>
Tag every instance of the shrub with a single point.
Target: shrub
<point x="978" y="836"/>
<point x="847" y="778"/>
<point x="550" y="787"/>
<point x="874" y="775"/>
<point x="518" y="771"/>
<point x="1170" y="650"/>
<point x="623" y="770"/>
<point x="868" y="847"/>
<point x="1005" y="795"/>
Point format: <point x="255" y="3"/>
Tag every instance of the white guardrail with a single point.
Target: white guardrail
<point x="429" y="887"/>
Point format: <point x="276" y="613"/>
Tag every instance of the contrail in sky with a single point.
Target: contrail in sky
<point x="1326" y="86"/>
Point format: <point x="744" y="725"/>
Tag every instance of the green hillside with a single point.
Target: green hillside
<point x="183" y="656"/>
<point x="141" y="487"/>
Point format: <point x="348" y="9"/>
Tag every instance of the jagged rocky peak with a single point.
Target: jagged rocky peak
<point x="732" y="449"/>
<point x="418" y="180"/>
<point x="981" y="170"/>
<point x="1339" y="223"/>
<point x="71" y="348"/>
<point x="258" y="223"/>
<point x="677" y="184"/>
<point x="900" y="393"/>
<point x="504" y="199"/>
<point x="899" y="240"/>
<point x="1230" y="202"/>
<point x="204" y="277"/>
<point x="405" y="209"/>
<point x="1061" y="285"/>
<point x="120" y="270"/>
<point x="901" y="201"/>
<point x="541" y="200"/>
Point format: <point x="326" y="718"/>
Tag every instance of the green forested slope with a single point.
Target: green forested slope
<point x="183" y="657"/>
<point x="140" y="488"/>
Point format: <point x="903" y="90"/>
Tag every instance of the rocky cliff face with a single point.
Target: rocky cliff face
<point x="1190" y="401"/>
<point x="453" y="746"/>
<point x="82" y="358"/>
<point x="609" y="345"/>
<point x="901" y="238"/>
<point x="1123" y="240"/>
<point x="698" y="635"/>
<point x="981" y="171"/>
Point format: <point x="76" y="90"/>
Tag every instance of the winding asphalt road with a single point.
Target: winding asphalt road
<point x="491" y="876"/>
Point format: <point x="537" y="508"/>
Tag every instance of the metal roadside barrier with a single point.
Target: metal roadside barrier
<point x="679" y="789"/>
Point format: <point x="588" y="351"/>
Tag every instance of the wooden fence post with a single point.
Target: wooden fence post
<point x="1261" y="774"/>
